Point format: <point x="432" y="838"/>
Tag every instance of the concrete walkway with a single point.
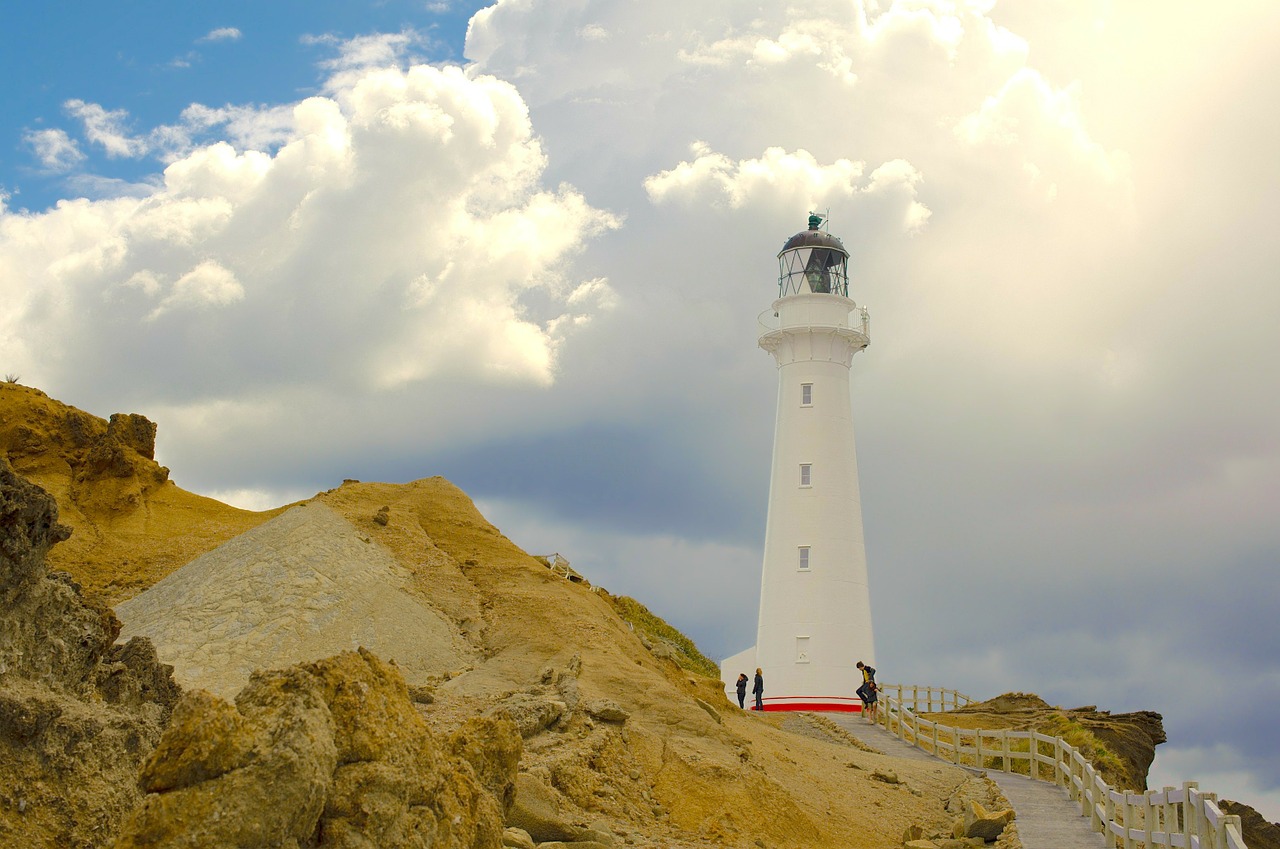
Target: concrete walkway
<point x="1047" y="818"/>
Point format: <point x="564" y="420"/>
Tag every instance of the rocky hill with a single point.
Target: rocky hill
<point x="1121" y="746"/>
<point x="79" y="713"/>
<point x="1258" y="833"/>
<point x="614" y="742"/>
<point x="131" y="525"/>
<point x="379" y="665"/>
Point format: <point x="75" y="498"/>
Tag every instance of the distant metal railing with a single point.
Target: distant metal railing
<point x="768" y="322"/>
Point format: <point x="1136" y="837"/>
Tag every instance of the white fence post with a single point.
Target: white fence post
<point x="1190" y="811"/>
<point x="1229" y="821"/>
<point x="1148" y="813"/>
<point x="1211" y="832"/>
<point x="1128" y="821"/>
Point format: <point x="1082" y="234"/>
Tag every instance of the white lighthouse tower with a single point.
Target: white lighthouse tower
<point x="815" y="608"/>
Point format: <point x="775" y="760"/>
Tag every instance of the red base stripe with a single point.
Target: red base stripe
<point x="834" y="707"/>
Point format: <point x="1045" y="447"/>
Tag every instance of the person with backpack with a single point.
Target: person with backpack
<point x="867" y="692"/>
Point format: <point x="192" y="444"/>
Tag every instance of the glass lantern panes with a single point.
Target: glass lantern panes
<point x="808" y="269"/>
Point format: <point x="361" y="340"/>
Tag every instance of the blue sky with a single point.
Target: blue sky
<point x="153" y="59"/>
<point x="359" y="240"/>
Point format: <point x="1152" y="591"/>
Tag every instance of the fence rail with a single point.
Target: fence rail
<point x="1184" y="817"/>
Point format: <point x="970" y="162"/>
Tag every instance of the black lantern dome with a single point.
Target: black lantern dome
<point x="813" y="261"/>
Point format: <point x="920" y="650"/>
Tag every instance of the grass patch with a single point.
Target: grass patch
<point x="1094" y="751"/>
<point x="656" y="630"/>
<point x="1050" y="723"/>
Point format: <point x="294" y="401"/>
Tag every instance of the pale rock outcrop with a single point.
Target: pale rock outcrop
<point x="330" y="591"/>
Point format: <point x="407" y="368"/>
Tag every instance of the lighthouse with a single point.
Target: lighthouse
<point x="815" y="607"/>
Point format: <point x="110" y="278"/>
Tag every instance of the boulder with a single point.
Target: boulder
<point x="207" y="738"/>
<point x="517" y="838"/>
<point x="886" y="775"/>
<point x="537" y="810"/>
<point x="333" y="748"/>
<point x="607" y="710"/>
<point x="492" y="747"/>
<point x="986" y="824"/>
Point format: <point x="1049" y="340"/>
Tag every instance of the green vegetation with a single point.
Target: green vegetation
<point x="1094" y="751"/>
<point x="1050" y="722"/>
<point x="656" y="631"/>
<point x="1054" y="725"/>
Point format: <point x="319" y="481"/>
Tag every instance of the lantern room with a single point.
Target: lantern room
<point x="813" y="261"/>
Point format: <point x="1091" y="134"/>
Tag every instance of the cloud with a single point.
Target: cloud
<point x="262" y="128"/>
<point x="366" y="51"/>
<point x="221" y="34"/>
<point x="205" y="286"/>
<point x="54" y="148"/>
<point x="107" y="128"/>
<point x="792" y="179"/>
<point x="394" y="237"/>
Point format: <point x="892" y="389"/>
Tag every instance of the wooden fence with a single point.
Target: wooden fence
<point x="1182" y="817"/>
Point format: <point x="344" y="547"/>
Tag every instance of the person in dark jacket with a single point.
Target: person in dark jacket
<point x="867" y="692"/>
<point x="758" y="689"/>
<point x="742" y="689"/>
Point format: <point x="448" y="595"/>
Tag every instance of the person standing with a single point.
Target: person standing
<point x="867" y="692"/>
<point x="758" y="689"/>
<point x="742" y="690"/>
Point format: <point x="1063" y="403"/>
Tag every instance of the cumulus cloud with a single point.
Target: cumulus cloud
<point x="794" y="180"/>
<point x="374" y="50"/>
<point x="206" y="285"/>
<point x="246" y="127"/>
<point x="394" y="235"/>
<point x="54" y="148"/>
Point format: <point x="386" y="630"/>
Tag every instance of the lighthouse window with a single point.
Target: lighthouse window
<point x="806" y="474"/>
<point x="806" y="395"/>
<point x="804" y="558"/>
<point x="802" y="649"/>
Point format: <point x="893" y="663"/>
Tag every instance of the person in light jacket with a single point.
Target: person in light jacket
<point x="742" y="689"/>
<point x="758" y="689"/>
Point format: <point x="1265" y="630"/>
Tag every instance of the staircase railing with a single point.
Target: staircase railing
<point x="1183" y="817"/>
